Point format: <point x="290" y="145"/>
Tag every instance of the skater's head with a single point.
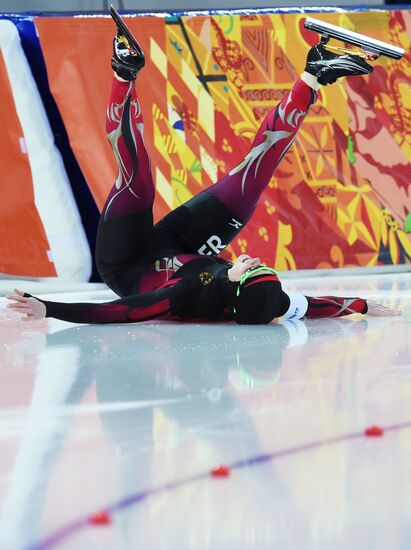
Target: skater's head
<point x="258" y="298"/>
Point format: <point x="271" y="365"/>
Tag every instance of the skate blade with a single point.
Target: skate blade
<point x="366" y="43"/>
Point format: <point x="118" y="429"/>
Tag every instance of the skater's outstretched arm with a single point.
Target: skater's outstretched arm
<point x="140" y="307"/>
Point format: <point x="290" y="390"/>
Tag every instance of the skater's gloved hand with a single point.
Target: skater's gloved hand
<point x="30" y="307"/>
<point x="378" y="310"/>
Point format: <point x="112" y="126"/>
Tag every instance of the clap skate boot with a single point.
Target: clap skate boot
<point x="128" y="56"/>
<point x="328" y="66"/>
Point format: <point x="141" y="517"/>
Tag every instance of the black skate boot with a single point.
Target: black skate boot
<point x="128" y="57"/>
<point x="328" y="66"/>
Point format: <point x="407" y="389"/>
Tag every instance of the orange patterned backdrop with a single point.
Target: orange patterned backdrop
<point x="23" y="241"/>
<point x="340" y="197"/>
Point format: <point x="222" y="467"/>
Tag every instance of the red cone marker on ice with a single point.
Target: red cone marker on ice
<point x="101" y="518"/>
<point x="374" y="431"/>
<point x="220" y="471"/>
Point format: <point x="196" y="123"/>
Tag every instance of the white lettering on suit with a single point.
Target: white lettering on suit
<point x="213" y="245"/>
<point x="236" y="223"/>
<point x="170" y="264"/>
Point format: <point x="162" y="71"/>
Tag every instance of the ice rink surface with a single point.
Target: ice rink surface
<point x="108" y="433"/>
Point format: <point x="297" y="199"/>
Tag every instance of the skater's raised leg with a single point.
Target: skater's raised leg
<point x="125" y="231"/>
<point x="208" y="222"/>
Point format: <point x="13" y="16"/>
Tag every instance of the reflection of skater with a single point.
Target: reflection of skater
<point x="173" y="270"/>
<point x="199" y="406"/>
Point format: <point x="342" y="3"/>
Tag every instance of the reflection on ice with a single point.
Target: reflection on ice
<point x="91" y="414"/>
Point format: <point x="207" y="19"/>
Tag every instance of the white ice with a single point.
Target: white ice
<point x="92" y="414"/>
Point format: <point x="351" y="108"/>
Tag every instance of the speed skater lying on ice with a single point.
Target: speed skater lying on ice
<point x="173" y="270"/>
